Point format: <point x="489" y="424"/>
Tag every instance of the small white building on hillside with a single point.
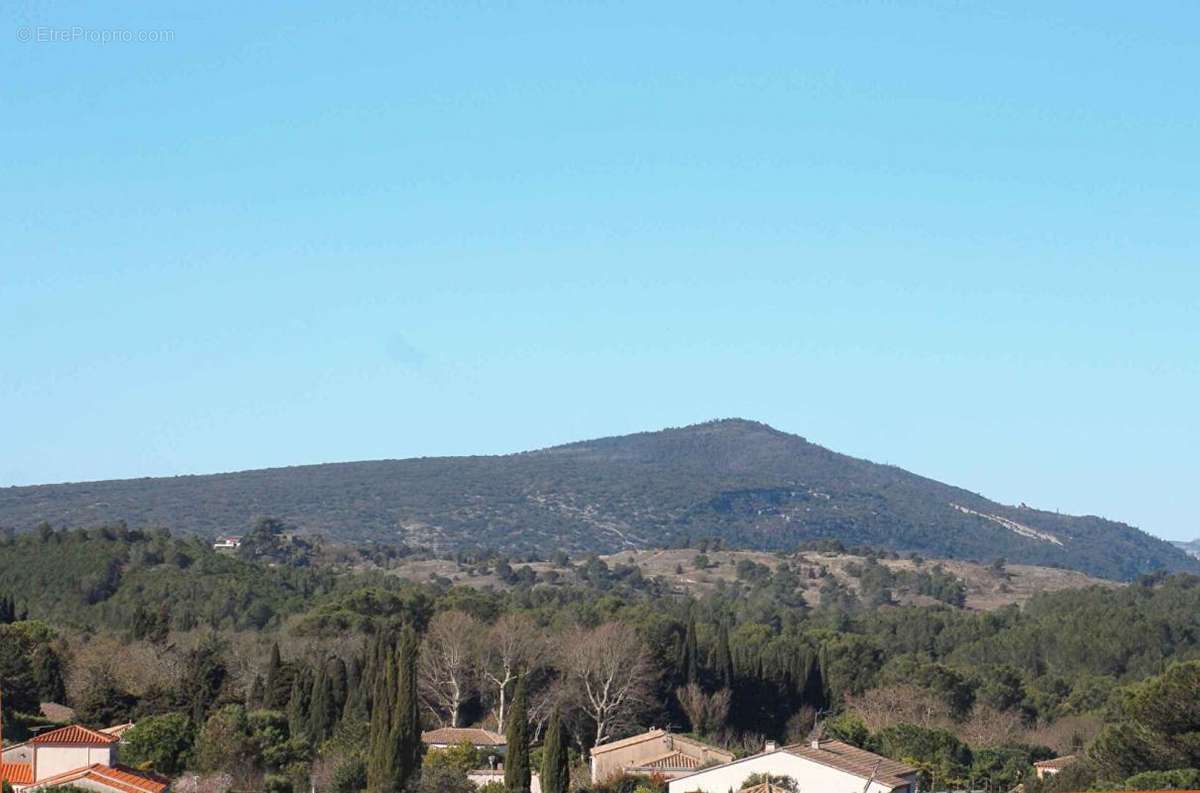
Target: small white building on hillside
<point x="819" y="767"/>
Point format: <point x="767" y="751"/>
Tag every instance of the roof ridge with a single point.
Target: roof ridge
<point x="73" y="733"/>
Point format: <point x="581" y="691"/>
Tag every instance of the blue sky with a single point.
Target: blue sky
<point x="960" y="237"/>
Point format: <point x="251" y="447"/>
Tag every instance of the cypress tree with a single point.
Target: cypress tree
<point x="724" y="660"/>
<point x="339" y="687"/>
<point x="320" y="709"/>
<point x="357" y="691"/>
<point x="516" y="765"/>
<point x="276" y="691"/>
<point x="406" y="725"/>
<point x="689" y="668"/>
<point x="556" y="762"/>
<point x="381" y="761"/>
<point x="298" y="705"/>
<point x="257" y="692"/>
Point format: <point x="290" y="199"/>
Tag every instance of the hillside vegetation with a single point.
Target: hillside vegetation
<point x="121" y="624"/>
<point x="743" y="482"/>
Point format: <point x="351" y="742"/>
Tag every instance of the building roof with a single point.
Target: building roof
<point x="74" y="735"/>
<point x="116" y="777"/>
<point x="651" y="735"/>
<point x="118" y="730"/>
<point x="1057" y="764"/>
<point x="476" y="736"/>
<point x="671" y="761"/>
<point x="852" y="760"/>
<point x="16" y="773"/>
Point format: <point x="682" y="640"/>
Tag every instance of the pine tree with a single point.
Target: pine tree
<point x="406" y="725"/>
<point x="516" y="765"/>
<point x="556" y="762"/>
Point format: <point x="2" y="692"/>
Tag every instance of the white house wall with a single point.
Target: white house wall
<point x="55" y="760"/>
<point x="811" y="777"/>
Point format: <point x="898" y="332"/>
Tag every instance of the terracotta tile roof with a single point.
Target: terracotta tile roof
<point x="671" y="761"/>
<point x="1057" y="764"/>
<point x="454" y="735"/>
<point x="16" y="773"/>
<point x="698" y="747"/>
<point x="117" y="778"/>
<point x="74" y="735"/>
<point x="853" y="760"/>
<point x="632" y="740"/>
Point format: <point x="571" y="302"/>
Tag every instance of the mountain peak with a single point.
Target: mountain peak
<point x="733" y="478"/>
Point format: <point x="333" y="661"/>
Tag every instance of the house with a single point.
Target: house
<point x="827" y="766"/>
<point x="485" y="741"/>
<point x="484" y="776"/>
<point x="654" y="752"/>
<point x="227" y="544"/>
<point x="75" y="755"/>
<point x="1051" y="767"/>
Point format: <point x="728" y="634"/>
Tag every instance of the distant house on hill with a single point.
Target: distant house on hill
<point x="1048" y="768"/>
<point x="816" y="766"/>
<point x="654" y="752"/>
<point x="227" y="544"/>
<point x="79" y="757"/>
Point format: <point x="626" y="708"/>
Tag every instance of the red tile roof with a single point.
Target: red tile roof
<point x="451" y="736"/>
<point x="74" y="735"/>
<point x="16" y="773"/>
<point x="117" y="777"/>
<point x="671" y="761"/>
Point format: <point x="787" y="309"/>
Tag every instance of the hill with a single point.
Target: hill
<point x="1190" y="547"/>
<point x="744" y="482"/>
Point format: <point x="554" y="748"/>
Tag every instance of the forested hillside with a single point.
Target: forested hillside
<point x="746" y="483"/>
<point x="265" y="665"/>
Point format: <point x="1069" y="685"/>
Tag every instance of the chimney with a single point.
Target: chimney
<point x="770" y="746"/>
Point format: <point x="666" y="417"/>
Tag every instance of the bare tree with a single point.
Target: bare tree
<point x="706" y="712"/>
<point x="608" y="673"/>
<point x="513" y="648"/>
<point x="447" y="672"/>
<point x="890" y="705"/>
<point x="987" y="726"/>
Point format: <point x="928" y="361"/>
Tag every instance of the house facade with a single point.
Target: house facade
<point x="826" y="766"/>
<point x="654" y="752"/>
<point x="77" y="756"/>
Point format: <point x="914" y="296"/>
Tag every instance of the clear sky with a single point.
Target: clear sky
<point x="959" y="237"/>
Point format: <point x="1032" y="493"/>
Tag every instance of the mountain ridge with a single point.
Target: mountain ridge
<point x="748" y="483"/>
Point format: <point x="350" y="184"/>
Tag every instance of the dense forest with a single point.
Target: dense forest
<point x="751" y="485"/>
<point x="266" y="668"/>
